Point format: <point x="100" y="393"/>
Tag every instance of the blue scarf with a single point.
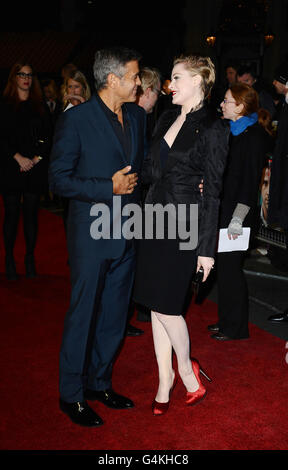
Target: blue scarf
<point x="241" y="124"/>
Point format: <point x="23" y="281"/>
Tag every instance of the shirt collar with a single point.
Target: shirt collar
<point x="107" y="110"/>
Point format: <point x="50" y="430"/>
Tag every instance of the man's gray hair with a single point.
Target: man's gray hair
<point x="112" y="60"/>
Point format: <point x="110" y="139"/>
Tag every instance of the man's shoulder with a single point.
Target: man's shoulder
<point x="135" y="109"/>
<point x="83" y="107"/>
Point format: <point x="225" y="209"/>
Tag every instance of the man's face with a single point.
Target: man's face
<point x="265" y="189"/>
<point x="149" y="98"/>
<point x="48" y="92"/>
<point x="128" y="84"/>
<point x="280" y="87"/>
<point x="246" y="78"/>
<point x="166" y="88"/>
<point x="231" y="75"/>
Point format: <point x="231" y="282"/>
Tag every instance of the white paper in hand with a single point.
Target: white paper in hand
<point x="239" y="244"/>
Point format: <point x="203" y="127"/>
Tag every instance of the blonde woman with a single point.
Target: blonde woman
<point x="76" y="90"/>
<point x="188" y="146"/>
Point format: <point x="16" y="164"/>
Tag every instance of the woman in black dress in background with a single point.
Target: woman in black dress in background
<point x="188" y="145"/>
<point x="25" y="138"/>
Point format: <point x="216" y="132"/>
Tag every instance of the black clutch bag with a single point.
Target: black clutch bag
<point x="197" y="280"/>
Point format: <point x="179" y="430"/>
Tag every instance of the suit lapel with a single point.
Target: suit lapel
<point x="100" y="121"/>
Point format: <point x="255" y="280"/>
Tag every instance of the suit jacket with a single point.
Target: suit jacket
<point x="86" y="153"/>
<point x="198" y="152"/>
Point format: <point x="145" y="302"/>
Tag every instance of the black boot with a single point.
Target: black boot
<point x="30" y="266"/>
<point x="11" y="273"/>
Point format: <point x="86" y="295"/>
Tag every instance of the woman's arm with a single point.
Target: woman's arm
<point x="216" y="148"/>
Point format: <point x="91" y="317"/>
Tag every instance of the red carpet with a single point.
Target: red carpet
<point x="246" y="404"/>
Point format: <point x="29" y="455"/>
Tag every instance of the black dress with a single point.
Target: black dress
<point x="27" y="131"/>
<point x="164" y="271"/>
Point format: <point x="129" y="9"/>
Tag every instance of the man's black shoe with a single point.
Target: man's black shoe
<point x="109" y="398"/>
<point x="280" y="318"/>
<point x="133" y="331"/>
<point x="80" y="413"/>
<point x="220" y="336"/>
<point x="214" y="327"/>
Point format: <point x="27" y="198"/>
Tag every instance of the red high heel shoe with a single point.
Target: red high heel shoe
<point x="159" y="409"/>
<point x="192" y="398"/>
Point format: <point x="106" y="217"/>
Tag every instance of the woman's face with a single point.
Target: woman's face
<point x="230" y="108"/>
<point x="74" y="88"/>
<point x="183" y="85"/>
<point x="24" y="78"/>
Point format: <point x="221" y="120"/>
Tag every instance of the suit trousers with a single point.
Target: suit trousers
<point x="233" y="299"/>
<point x="95" y="322"/>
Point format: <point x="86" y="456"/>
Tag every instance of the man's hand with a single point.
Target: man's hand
<point x="124" y="183"/>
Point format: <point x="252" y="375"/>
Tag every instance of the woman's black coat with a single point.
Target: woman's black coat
<point x="242" y="177"/>
<point x="198" y="152"/>
<point x="24" y="130"/>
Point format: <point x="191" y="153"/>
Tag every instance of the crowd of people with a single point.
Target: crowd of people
<point x="139" y="139"/>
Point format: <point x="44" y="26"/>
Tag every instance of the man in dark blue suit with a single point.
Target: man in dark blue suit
<point x="97" y="154"/>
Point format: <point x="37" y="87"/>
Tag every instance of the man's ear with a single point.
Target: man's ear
<point x="112" y="80"/>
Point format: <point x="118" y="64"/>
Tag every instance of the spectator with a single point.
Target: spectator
<point x="250" y="139"/>
<point x="278" y="199"/>
<point x="26" y="134"/>
<point x="246" y="74"/>
<point x="52" y="99"/>
<point x="75" y="90"/>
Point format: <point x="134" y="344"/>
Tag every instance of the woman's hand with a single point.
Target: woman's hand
<point x="74" y="97"/>
<point x="207" y="264"/>
<point x="25" y="163"/>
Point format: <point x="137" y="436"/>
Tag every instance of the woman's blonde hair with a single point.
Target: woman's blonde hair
<point x="202" y="66"/>
<point x="79" y="77"/>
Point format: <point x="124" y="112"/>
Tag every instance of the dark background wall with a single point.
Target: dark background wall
<point x="52" y="33"/>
